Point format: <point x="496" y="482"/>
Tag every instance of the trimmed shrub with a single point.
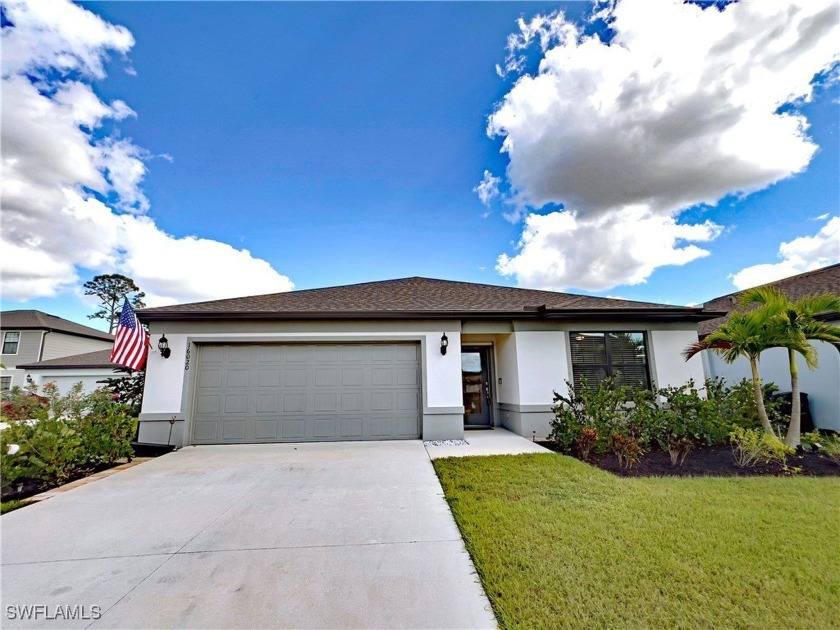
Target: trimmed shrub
<point x="601" y="408"/>
<point x="753" y="447"/>
<point x="51" y="438"/>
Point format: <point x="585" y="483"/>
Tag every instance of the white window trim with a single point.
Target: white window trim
<point x="17" y="348"/>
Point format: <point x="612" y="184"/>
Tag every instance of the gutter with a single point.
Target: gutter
<point x="537" y="313"/>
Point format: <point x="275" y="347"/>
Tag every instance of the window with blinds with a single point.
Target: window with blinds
<point x="597" y="355"/>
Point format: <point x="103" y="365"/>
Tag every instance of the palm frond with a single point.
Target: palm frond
<point x="823" y="304"/>
<point x="771" y="298"/>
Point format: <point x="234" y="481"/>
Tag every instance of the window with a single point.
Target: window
<point x="596" y="356"/>
<point x="10" y="342"/>
<point x="5" y="383"/>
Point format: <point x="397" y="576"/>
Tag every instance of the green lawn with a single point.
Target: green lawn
<point x="9" y="506"/>
<point x="559" y="543"/>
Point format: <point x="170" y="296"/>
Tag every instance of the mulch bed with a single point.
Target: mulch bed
<point x="26" y="488"/>
<point x="710" y="461"/>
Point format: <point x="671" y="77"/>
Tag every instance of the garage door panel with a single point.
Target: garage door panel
<point x="270" y="354"/>
<point x="234" y="429"/>
<point x="407" y="401"/>
<point x="213" y="354"/>
<point x="210" y="378"/>
<point x="268" y="403"/>
<point x="328" y="354"/>
<point x="294" y="403"/>
<point x="408" y="377"/>
<point x="325" y="402"/>
<point x="381" y="376"/>
<point x="326" y="377"/>
<point x="295" y="377"/>
<point x="352" y="401"/>
<point x="265" y="430"/>
<point x="352" y="377"/>
<point x="297" y="354"/>
<point x="324" y="428"/>
<point x="353" y="354"/>
<point x="237" y="378"/>
<point x="268" y="377"/>
<point x="242" y="354"/>
<point x="207" y="404"/>
<point x="407" y="353"/>
<point x="235" y="403"/>
<point x="205" y="431"/>
<point x="275" y="392"/>
<point x="294" y="428"/>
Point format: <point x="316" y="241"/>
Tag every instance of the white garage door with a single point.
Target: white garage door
<point x="302" y="393"/>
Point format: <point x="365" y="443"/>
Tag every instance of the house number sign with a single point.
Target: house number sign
<point x="187" y="360"/>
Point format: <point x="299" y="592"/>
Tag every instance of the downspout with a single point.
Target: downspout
<point x="41" y="350"/>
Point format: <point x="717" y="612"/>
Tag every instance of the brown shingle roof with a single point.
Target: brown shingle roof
<point x="38" y="320"/>
<point x="97" y="359"/>
<point x="824" y="280"/>
<point x="418" y="297"/>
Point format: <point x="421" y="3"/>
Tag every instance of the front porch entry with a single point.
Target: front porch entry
<point x="475" y="381"/>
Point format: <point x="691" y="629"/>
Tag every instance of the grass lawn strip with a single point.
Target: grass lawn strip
<point x="559" y="543"/>
<point x="10" y="506"/>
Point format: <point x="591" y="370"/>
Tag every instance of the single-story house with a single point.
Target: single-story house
<point x="88" y="368"/>
<point x="398" y="359"/>
<point x="822" y="385"/>
<point x="30" y="336"/>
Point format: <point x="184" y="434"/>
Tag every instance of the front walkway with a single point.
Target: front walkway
<point x="485" y="442"/>
<point x="251" y="536"/>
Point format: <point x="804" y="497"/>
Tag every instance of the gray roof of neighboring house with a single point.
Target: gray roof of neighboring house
<point x="38" y="320"/>
<point x="416" y="298"/>
<point x="97" y="359"/>
<point x="824" y="280"/>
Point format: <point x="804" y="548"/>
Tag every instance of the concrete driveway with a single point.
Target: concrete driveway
<point x="249" y="536"/>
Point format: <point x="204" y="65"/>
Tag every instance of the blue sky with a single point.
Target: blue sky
<point x="342" y="142"/>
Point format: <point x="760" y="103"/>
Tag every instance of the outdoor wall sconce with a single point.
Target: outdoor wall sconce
<point x="444" y="343"/>
<point x="163" y="346"/>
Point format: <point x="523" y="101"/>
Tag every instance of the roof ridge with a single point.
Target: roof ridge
<point x="524" y="290"/>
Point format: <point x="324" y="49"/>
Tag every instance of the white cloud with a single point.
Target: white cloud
<point x="797" y="256"/>
<point x="488" y="188"/>
<point x="56" y="34"/>
<point x="72" y="195"/>
<point x="681" y="108"/>
<point x="561" y="250"/>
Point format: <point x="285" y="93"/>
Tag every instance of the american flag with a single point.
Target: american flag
<point x="132" y="341"/>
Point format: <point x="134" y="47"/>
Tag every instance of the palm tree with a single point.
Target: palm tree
<point x="799" y="324"/>
<point x="745" y="335"/>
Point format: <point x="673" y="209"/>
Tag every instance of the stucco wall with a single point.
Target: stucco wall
<point x="668" y="366"/>
<point x="542" y="357"/>
<point x="822" y="385"/>
<point x="507" y="381"/>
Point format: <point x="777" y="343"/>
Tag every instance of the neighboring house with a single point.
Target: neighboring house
<point x="89" y="369"/>
<point x="398" y="359"/>
<point x="822" y="385"/>
<point x="32" y="336"/>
